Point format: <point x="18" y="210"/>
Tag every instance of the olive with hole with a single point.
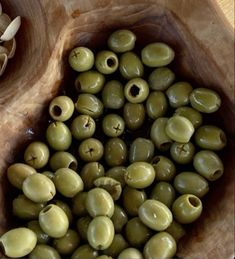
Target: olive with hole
<point x="208" y="164"/>
<point x="119" y="218"/>
<point x="117" y="173"/>
<point x="45" y="252"/>
<point x="182" y="153"/>
<point x="79" y="204"/>
<point x="61" y="108"/>
<point x="117" y="246"/>
<point x="36" y="154"/>
<point x="84" y="251"/>
<point x="130" y="252"/>
<point x="42" y="237"/>
<point x="134" y="115"/>
<point x="176" y="230"/>
<point x="156" y="105"/>
<point x="82" y="226"/>
<point x="63" y="159"/>
<point x="113" y="125"/>
<point x="66" y="208"/>
<point x="106" y="62"/>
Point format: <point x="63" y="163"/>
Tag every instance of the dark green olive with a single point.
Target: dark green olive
<point x="178" y="94"/>
<point x="117" y="246"/>
<point x="176" y="230"/>
<point x="164" y="168"/>
<point x="45" y="252"/>
<point x="65" y="207"/>
<point x="113" y="125"/>
<point x="156" y="104"/>
<point x="134" y="115"/>
<point x="82" y="127"/>
<point x="132" y="199"/>
<point x="205" y="100"/>
<point x="106" y="62"/>
<point x="137" y="233"/>
<point x="113" y="95"/>
<point x="192" y="183"/>
<point x="130" y="66"/>
<point x="182" y="153"/>
<point x="42" y="237"/>
<point x="163" y="192"/>
<point x="115" y="152"/>
<point x="117" y="173"/>
<point x="82" y="226"/>
<point x="141" y="150"/>
<point x="84" y="251"/>
<point x="119" y="218"/>
<point x="89" y="104"/>
<point x="210" y="137"/>
<point x="130" y="252"/>
<point x="91" y="150"/>
<point x="90" y="82"/>
<point x="63" y="159"/>
<point x="157" y="54"/>
<point x="161" y="78"/>
<point x="90" y="172"/>
<point x="79" y="204"/>
<point x="208" y="164"/>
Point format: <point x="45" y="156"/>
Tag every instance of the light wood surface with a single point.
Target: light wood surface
<point x="227" y="6"/>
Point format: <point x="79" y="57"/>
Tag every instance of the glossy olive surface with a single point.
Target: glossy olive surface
<point x="119" y="218"/>
<point x="182" y="153"/>
<point x="63" y="159"/>
<point x="42" y="237"/>
<point x="117" y="173"/>
<point x="130" y="252"/>
<point x="45" y="252"/>
<point x="134" y="115"/>
<point x="156" y="105"/>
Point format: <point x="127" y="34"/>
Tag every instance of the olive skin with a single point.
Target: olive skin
<point x="63" y="159"/>
<point x="53" y="221"/>
<point x="104" y="257"/>
<point x="152" y="209"/>
<point x="121" y="41"/>
<point x="84" y="251"/>
<point x="130" y="252"/>
<point x="66" y="208"/>
<point x="49" y="174"/>
<point x="117" y="173"/>
<point x="79" y="204"/>
<point x="141" y="150"/>
<point x="58" y="136"/>
<point x="18" y="172"/>
<point x="90" y="82"/>
<point x="205" y="100"/>
<point x="18" y="242"/>
<point x="157" y="54"/>
<point x="113" y="125"/>
<point x="119" y="218"/>
<point x="134" y="115"/>
<point x="156" y="105"/>
<point x="89" y="104"/>
<point x="210" y="137"/>
<point x="106" y="62"/>
<point x="42" y="237"/>
<point x="130" y="66"/>
<point x="187" y="208"/>
<point x="176" y="230"/>
<point x="99" y="203"/>
<point x="45" y="252"/>
<point x="117" y="246"/>
<point x="191" y="183"/>
<point x="82" y="226"/>
<point x="100" y="232"/>
<point x="208" y="164"/>
<point x="161" y="245"/>
<point x="182" y="153"/>
<point x="139" y="175"/>
<point x="61" y="108"/>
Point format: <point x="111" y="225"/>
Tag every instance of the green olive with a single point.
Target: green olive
<point x="205" y="100"/>
<point x="130" y="66"/>
<point x="106" y="62"/>
<point x="85" y="251"/>
<point x="117" y="173"/>
<point x="137" y="233"/>
<point x="42" y="237"/>
<point x="210" y="137"/>
<point x="161" y="245"/>
<point x="89" y="104"/>
<point x="68" y="182"/>
<point x="163" y="192"/>
<point x="81" y="59"/>
<point x="161" y="78"/>
<point x="158" y="134"/>
<point x="90" y="172"/>
<point x="45" y="252"/>
<point x="136" y="90"/>
<point x="82" y="127"/>
<point x="79" y="204"/>
<point x="38" y="188"/>
<point x="176" y="230"/>
<point x="164" y="168"/>
<point x="157" y="54"/>
<point x="99" y="203"/>
<point x="58" y="136"/>
<point x="82" y="226"/>
<point x="65" y="207"/>
<point x="208" y="164"/>
<point x="121" y="41"/>
<point x="53" y="221"/>
<point x="36" y="154"/>
<point x="18" y="172"/>
<point x="115" y="152"/>
<point x="151" y="210"/>
<point x="113" y="95"/>
<point x="104" y="257"/>
<point x="179" y="129"/>
<point x="18" y="242"/>
<point x="141" y="150"/>
<point x="178" y="94"/>
<point x="191" y="183"/>
<point x="63" y="159"/>
<point x="68" y="243"/>
<point x="117" y="246"/>
<point x="100" y="232"/>
<point x="61" y="108"/>
<point x="113" y="125"/>
<point x="90" y="82"/>
<point x="156" y="105"/>
<point x="134" y="115"/>
<point x="139" y="175"/>
<point x="24" y="208"/>
<point x="91" y="150"/>
<point x="187" y="208"/>
<point x="49" y="174"/>
<point x="119" y="218"/>
<point x="129" y="253"/>
<point x="182" y="153"/>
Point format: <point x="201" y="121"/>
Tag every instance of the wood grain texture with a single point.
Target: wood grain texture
<point x="205" y="56"/>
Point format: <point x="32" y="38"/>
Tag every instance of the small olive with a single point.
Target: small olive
<point x="117" y="173"/>
<point x="65" y="207"/>
<point x="134" y="115"/>
<point x="106" y="62"/>
<point x="119" y="218"/>
<point x="176" y="230"/>
<point x="45" y="252"/>
<point x="156" y="105"/>
<point x="63" y="159"/>
<point x="82" y="226"/>
<point x="113" y="125"/>
<point x="79" y="204"/>
<point x="84" y="251"/>
<point x="182" y="153"/>
<point x="42" y="237"/>
<point x="117" y="246"/>
<point x="129" y="253"/>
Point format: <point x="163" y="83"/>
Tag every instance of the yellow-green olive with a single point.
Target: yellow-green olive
<point x="134" y="115"/>
<point x="42" y="237"/>
<point x="45" y="252"/>
<point x="117" y="246"/>
<point x="84" y="251"/>
<point x="106" y="62"/>
<point x="113" y="125"/>
<point x="117" y="173"/>
<point x="182" y="153"/>
<point x="63" y="159"/>
<point x="104" y="257"/>
<point x="129" y="253"/>
<point x="156" y="104"/>
<point x="176" y="230"/>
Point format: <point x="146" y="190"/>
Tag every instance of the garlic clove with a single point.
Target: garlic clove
<point x="11" y="30"/>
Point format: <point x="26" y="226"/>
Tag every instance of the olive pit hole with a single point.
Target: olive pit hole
<point x="155" y="160"/>
<point x="216" y="173"/>
<point x="111" y="62"/>
<point x="194" y="201"/>
<point x="57" y="111"/>
<point x="46" y="209"/>
<point x="134" y="90"/>
<point x="73" y="165"/>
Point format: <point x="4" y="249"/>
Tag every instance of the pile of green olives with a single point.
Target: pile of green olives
<point x="126" y="162"/>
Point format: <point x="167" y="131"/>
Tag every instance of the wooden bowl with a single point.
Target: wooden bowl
<point x="204" y="55"/>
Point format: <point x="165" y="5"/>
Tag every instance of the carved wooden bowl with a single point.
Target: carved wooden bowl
<point x="204" y="47"/>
